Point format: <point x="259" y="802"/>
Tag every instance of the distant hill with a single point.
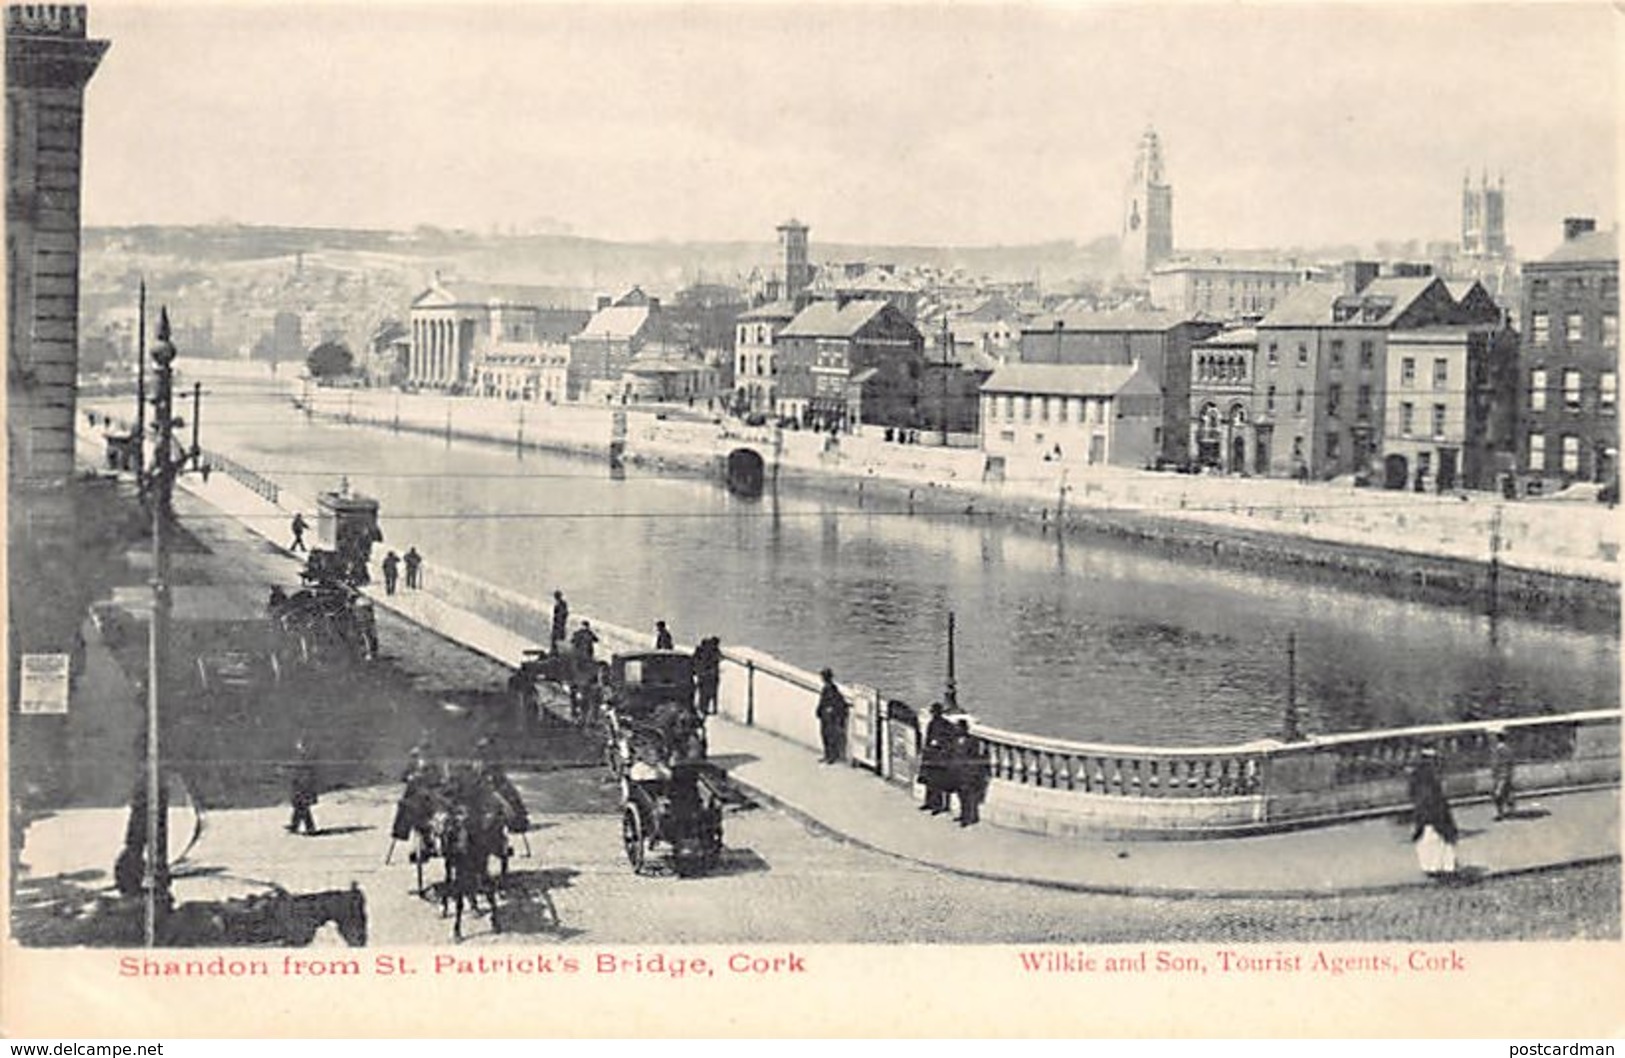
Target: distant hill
<point x="585" y="264"/>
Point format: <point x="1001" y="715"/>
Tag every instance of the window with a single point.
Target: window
<point x="1540" y="328"/>
<point x="1438" y="422"/>
<point x="1571" y="387"/>
<point x="1063" y="402"/>
<point x="1537" y="288"/>
<point x="1297" y="401"/>
<point x="1026" y="412"/>
<point x="1334" y="446"/>
<point x="1610" y="330"/>
<point x="1269" y="400"/>
<point x="1537" y="451"/>
<point x="1575" y="286"/>
<point x="1574" y="327"/>
<point x="1364" y="401"/>
<point x="1441" y="372"/>
<point x="1043" y="409"/>
<point x="1537" y="389"/>
<point x="1368" y="353"/>
<point x="1571" y="454"/>
<point x="1100" y="410"/>
<point x="1303" y="354"/>
<point x="1274" y="354"/>
<point x="1407" y="371"/>
<point x="1607" y="391"/>
<point x="741" y="363"/>
<point x="1334" y="397"/>
<point x="1009" y="408"/>
<point x="1297" y="448"/>
<point x="1407" y="419"/>
<point x="1337" y="352"/>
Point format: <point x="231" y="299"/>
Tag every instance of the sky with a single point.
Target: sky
<point x="920" y="123"/>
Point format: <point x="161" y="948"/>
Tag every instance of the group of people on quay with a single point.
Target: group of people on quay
<point x="953" y="763"/>
<point x="392" y="570"/>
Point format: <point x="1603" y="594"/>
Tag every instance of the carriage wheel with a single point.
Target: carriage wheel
<point x="632" y="836"/>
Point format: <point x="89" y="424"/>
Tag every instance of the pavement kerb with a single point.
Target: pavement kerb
<point x="812" y="822"/>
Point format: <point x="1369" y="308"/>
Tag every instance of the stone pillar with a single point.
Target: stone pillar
<point x="49" y="61"/>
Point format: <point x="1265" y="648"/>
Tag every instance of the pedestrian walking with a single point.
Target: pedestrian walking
<point x="299" y="525"/>
<point x="1434" y="830"/>
<point x="302" y="792"/>
<point x="832" y="712"/>
<point x="663" y="640"/>
<point x="707" y="674"/>
<point x="939" y="735"/>
<point x="414" y="568"/>
<point x="561" y="622"/>
<point x="967" y="766"/>
<point x="1502" y="762"/>
<point x="392" y="572"/>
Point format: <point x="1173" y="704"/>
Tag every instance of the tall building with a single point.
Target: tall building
<point x="1569" y="422"/>
<point x="49" y="60"/>
<point x="1148" y="212"/>
<point x="798" y="272"/>
<point x="1483" y="217"/>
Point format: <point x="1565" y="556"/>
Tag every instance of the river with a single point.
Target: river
<point x="1085" y="638"/>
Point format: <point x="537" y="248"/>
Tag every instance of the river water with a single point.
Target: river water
<point x="1085" y="638"/>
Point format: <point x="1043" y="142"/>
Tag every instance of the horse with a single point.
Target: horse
<point x="471" y="833"/>
<point x="278" y="918"/>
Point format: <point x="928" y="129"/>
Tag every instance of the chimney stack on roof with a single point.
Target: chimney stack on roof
<point x="604" y="302"/>
<point x="1574" y="227"/>
<point x="1357" y="275"/>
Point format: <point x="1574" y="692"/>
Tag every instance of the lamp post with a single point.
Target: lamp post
<point x="950" y="693"/>
<point x="140" y="432"/>
<point x="157" y="866"/>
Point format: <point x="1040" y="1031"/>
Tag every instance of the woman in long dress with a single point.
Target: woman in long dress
<point x="1434" y="832"/>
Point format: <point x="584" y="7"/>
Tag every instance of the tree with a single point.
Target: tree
<point x="330" y="359"/>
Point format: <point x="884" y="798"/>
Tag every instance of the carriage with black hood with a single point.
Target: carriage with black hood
<point x="672" y="796"/>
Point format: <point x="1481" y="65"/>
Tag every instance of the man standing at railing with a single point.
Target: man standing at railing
<point x="561" y="622"/>
<point x="414" y="568"/>
<point x="707" y="674"/>
<point x="832" y="712"/>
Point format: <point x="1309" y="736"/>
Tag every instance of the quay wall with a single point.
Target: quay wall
<point x="1038" y="784"/>
<point x="1548" y="556"/>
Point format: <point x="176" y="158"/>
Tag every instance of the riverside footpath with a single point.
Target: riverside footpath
<point x="853" y="804"/>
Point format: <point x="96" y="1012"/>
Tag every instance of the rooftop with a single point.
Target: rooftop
<point x="617" y="321"/>
<point x="822" y="319"/>
<point x="1599" y="247"/>
<point x="1114" y="320"/>
<point x="1070" y="380"/>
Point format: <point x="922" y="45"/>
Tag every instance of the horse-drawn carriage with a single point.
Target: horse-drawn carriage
<point x="326" y="620"/>
<point x="671" y="798"/>
<point x="461" y="812"/>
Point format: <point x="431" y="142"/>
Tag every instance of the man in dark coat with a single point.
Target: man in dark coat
<point x="707" y="674"/>
<point x="561" y="622"/>
<point x="967" y="764"/>
<point x="939" y="734"/>
<point x="414" y="568"/>
<point x="832" y="713"/>
<point x="302" y="783"/>
<point x="663" y="640"/>
<point x="392" y="572"/>
<point x="298" y="528"/>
